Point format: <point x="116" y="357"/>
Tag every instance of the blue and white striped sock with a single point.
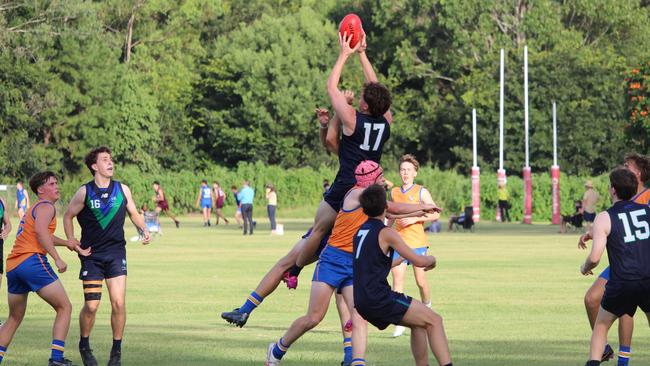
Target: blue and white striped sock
<point x="3" y="350"/>
<point x="358" y="362"/>
<point x="253" y="301"/>
<point x="624" y="353"/>
<point x="279" y="349"/>
<point x="58" y="347"/>
<point x="347" y="350"/>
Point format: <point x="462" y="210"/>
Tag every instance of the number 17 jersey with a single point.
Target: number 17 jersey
<point x="366" y="143"/>
<point x="628" y="242"/>
<point x="102" y="220"/>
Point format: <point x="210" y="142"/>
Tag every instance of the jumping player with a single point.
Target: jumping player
<point x="639" y="165"/>
<point x="5" y="229"/>
<point x="205" y="200"/>
<point x="374" y="246"/>
<point x="161" y="202"/>
<point x="100" y="207"/>
<point x="624" y="229"/>
<point x="22" y="199"/>
<point x="411" y="229"/>
<point x="364" y="134"/>
<point x="334" y="270"/>
<point x="29" y="270"/>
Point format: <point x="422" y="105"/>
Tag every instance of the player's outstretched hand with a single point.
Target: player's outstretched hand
<point x="83" y="252"/>
<point x="60" y="265"/>
<point x="323" y="116"/>
<point x="582" y="242"/>
<point x="363" y="43"/>
<point x="72" y="243"/>
<point x="349" y="96"/>
<point x="586" y="273"/>
<point x="146" y="237"/>
<point x="344" y="42"/>
<point x="433" y="263"/>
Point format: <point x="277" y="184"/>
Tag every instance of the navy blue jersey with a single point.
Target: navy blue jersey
<point x="371" y="265"/>
<point x="628" y="243"/>
<point x="366" y="143"/>
<point x="102" y="219"/>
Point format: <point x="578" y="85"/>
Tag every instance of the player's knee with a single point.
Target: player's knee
<point x="64" y="307"/>
<point x="312" y="320"/>
<point x="434" y="320"/>
<point x="90" y="307"/>
<point x="592" y="300"/>
<point x="118" y="305"/>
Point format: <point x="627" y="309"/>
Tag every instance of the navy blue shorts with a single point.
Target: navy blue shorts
<point x="623" y="297"/>
<point x="32" y="274"/>
<point x="605" y="274"/>
<point x="390" y="310"/>
<point x="589" y="217"/>
<point x="418" y="251"/>
<point x="93" y="269"/>
<point x="334" y="268"/>
<point x="335" y="195"/>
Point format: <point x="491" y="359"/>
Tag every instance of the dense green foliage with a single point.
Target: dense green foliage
<point x="301" y="188"/>
<point x="184" y="85"/>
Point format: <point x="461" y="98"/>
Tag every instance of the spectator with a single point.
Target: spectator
<point x="245" y="196"/>
<point x="589" y="202"/>
<point x="504" y="205"/>
<point x="272" y="203"/>
<point x="574" y="220"/>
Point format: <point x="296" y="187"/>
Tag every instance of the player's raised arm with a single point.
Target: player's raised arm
<point x="601" y="228"/>
<point x="134" y="215"/>
<point x="369" y="72"/>
<point x="74" y="208"/>
<point x="343" y="110"/>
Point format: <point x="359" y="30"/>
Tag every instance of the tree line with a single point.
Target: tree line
<point x="185" y="85"/>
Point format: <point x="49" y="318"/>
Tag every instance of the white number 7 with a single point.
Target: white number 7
<point x="362" y="234"/>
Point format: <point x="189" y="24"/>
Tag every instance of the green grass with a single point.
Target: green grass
<point x="510" y="295"/>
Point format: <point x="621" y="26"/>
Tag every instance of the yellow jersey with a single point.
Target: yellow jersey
<point x="414" y="234"/>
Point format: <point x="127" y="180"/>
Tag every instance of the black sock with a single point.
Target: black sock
<point x="593" y="363"/>
<point x="84" y="342"/>
<point x="295" y="270"/>
<point x="117" y="345"/>
<point x="449" y="364"/>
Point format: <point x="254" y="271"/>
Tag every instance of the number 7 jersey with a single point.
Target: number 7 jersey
<point x="102" y="219"/>
<point x="628" y="242"/>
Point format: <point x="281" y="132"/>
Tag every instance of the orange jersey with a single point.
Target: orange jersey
<point x="643" y="197"/>
<point x="414" y="234"/>
<point x="26" y="240"/>
<point x="345" y="228"/>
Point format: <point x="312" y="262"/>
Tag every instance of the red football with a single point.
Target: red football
<point x="351" y="24"/>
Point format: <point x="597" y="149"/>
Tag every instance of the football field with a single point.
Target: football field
<point x="510" y="294"/>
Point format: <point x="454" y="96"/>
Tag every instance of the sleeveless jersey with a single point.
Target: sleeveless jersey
<point x="2" y="216"/>
<point x="206" y="194"/>
<point x="414" y="234"/>
<point x="21" y="198"/>
<point x="345" y="227"/>
<point x="26" y="243"/>
<point x="102" y="219"/>
<point x="366" y="143"/>
<point x="643" y="197"/>
<point x="628" y="243"/>
<point x="371" y="265"/>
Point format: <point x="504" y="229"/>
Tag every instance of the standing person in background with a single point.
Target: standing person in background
<point x="238" y="216"/>
<point x="5" y="229"/>
<point x="161" y="202"/>
<point x="245" y="197"/>
<point x="411" y="229"/>
<point x="219" y="198"/>
<point x="589" y="202"/>
<point x="272" y="203"/>
<point x="504" y="205"/>
<point x="205" y="199"/>
<point x="22" y="199"/>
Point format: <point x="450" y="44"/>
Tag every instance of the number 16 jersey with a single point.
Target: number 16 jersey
<point x="102" y="220"/>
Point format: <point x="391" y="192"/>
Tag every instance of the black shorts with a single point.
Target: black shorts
<point x="623" y="297"/>
<point x="389" y="311"/>
<point x="335" y="195"/>
<point x="93" y="269"/>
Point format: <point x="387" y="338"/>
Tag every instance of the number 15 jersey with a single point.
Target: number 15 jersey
<point x="628" y="243"/>
<point x="102" y="220"/>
